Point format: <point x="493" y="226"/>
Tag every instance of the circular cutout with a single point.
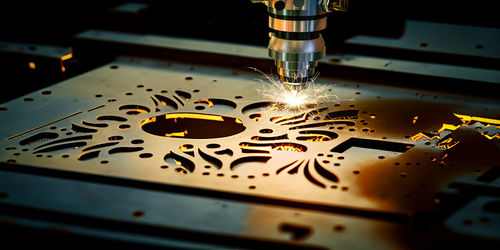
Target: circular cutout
<point x="196" y="91"/>
<point x="2" y="109"/>
<point x="238" y="97"/>
<point x="205" y="173"/>
<point x="199" y="108"/>
<point x="4" y="195"/>
<point x="138" y="214"/>
<point x="164" y="167"/>
<point x="137" y="141"/>
<point x="146" y="155"/>
<point x="479" y="46"/>
<point x="28" y="99"/>
<point x="124" y="126"/>
<point x="423" y="45"/>
<point x="104" y="162"/>
<point x="213" y="145"/>
<point x="111" y="100"/>
<point x="140" y="86"/>
<point x="65" y="156"/>
<point x="129" y="93"/>
<point x="220" y="175"/>
<point x="149" y="90"/>
<point x="251" y="187"/>
<point x="266" y="131"/>
<point x="46" y="92"/>
<point x="189" y="78"/>
<point x="115" y="138"/>
<point x="114" y="67"/>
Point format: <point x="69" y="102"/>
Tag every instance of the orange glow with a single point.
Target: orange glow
<point x="466" y="120"/>
<point x="194" y="116"/>
<point x="66" y="57"/>
<point x="32" y="65"/>
<point x="415" y="119"/>
<point x="209" y="103"/>
<point x="178" y="134"/>
<point x="184" y="148"/>
<point x="289" y="148"/>
<point x="318" y="137"/>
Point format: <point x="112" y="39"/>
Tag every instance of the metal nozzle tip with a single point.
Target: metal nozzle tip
<point x="295" y="86"/>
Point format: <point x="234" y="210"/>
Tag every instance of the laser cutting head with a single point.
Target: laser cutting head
<point x="296" y="44"/>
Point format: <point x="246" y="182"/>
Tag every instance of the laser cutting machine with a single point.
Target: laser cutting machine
<point x="129" y="127"/>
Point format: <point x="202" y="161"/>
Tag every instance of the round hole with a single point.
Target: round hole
<point x="336" y="164"/>
<point x="251" y="187"/>
<point x="149" y="90"/>
<point x="129" y="93"/>
<point x="188" y="78"/>
<point x="265" y="174"/>
<point x="333" y="186"/>
<point x="340" y="157"/>
<point x="372" y="131"/>
<point x="338" y="228"/>
<point x="114" y="67"/>
<point x="365" y="130"/>
<point x="358" y="93"/>
<point x="402" y="174"/>
<point x="423" y="45"/>
<point x="138" y="214"/>
<point x="266" y="131"/>
<point x="11" y="161"/>
<point x="196" y="91"/>
<point x="46" y="92"/>
<point x="28" y="99"/>
<point x="213" y="145"/>
<point x="124" y="126"/>
<point x="104" y="162"/>
<point x="234" y="176"/>
<point x="65" y="156"/>
<point x="164" y="167"/>
<point x="479" y="46"/>
<point x="146" y="155"/>
<point x="164" y="91"/>
<point x="115" y="138"/>
<point x="69" y="133"/>
<point x="205" y="173"/>
<point x="199" y="108"/>
<point x="220" y="175"/>
<point x="251" y="177"/>
<point x="345" y="188"/>
<point x="137" y="141"/>
<point x="355" y="172"/>
<point x="2" y="109"/>
<point x="208" y="167"/>
<point x="381" y="157"/>
<point x="214" y="80"/>
<point x="112" y="100"/>
<point x="396" y="163"/>
<point x="140" y="86"/>
<point x="238" y="97"/>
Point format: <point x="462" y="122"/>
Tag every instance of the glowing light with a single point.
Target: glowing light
<point x="289" y="148"/>
<point x="195" y="116"/>
<point x="32" y="65"/>
<point x="209" y="103"/>
<point x="178" y="134"/>
<point x="415" y="119"/>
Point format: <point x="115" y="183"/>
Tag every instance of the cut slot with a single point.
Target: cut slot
<point x="71" y="145"/>
<point x="372" y="144"/>
<point x="124" y="150"/>
<point x="75" y="138"/>
<point x="216" y="162"/>
<point x="257" y="159"/>
<point x="165" y="101"/>
<point x="81" y="129"/>
<point x="136" y="109"/>
<point x="89" y="155"/>
<point x="97" y="125"/>
<point x="111" y="118"/>
<point x="297" y="232"/>
<point x="180" y="161"/>
<point x="43" y="136"/>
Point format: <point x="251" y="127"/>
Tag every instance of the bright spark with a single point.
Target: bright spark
<point x="313" y="94"/>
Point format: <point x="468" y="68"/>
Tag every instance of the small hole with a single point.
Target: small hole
<point x="146" y="155"/>
<point x="381" y="157"/>
<point x="10" y="148"/>
<point x="137" y="141"/>
<point x="402" y="174"/>
<point x="104" y="162"/>
<point x="25" y="149"/>
<point x="321" y="154"/>
<point x="164" y="91"/>
<point x="28" y="99"/>
<point x="98" y="95"/>
<point x="423" y="45"/>
<point x="112" y="100"/>
<point x="11" y="161"/>
<point x="15" y="154"/>
<point x="199" y="108"/>
<point x="65" y="156"/>
<point x="164" y="167"/>
<point x="479" y="46"/>
<point x="114" y="67"/>
<point x="149" y="90"/>
<point x="345" y="188"/>
<point x="49" y="156"/>
<point x="326" y="162"/>
<point x="340" y="157"/>
<point x="396" y="163"/>
<point x="352" y="105"/>
<point x="336" y="164"/>
<point x="355" y="172"/>
<point x="333" y="186"/>
<point x="338" y="228"/>
<point x="207" y="167"/>
<point x="484" y="220"/>
<point x="124" y="126"/>
<point x="213" y="145"/>
<point x="251" y="177"/>
<point x="220" y="175"/>
<point x="115" y="138"/>
<point x="467" y="222"/>
<point x="234" y="176"/>
<point x="251" y="187"/>
<point x="266" y="131"/>
<point x="352" y="130"/>
<point x="4" y="195"/>
<point x="205" y="173"/>
<point x="265" y="174"/>
<point x="188" y="78"/>
<point x="329" y="156"/>
<point x="2" y="109"/>
<point x="140" y="86"/>
<point x="138" y="214"/>
<point x="196" y="91"/>
<point x="238" y="97"/>
<point x="129" y="93"/>
<point x="358" y="93"/>
<point x="46" y="92"/>
<point x="39" y="155"/>
<point x="69" y="133"/>
<point x="214" y="80"/>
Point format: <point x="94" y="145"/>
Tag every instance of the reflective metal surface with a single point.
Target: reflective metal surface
<point x="361" y="163"/>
